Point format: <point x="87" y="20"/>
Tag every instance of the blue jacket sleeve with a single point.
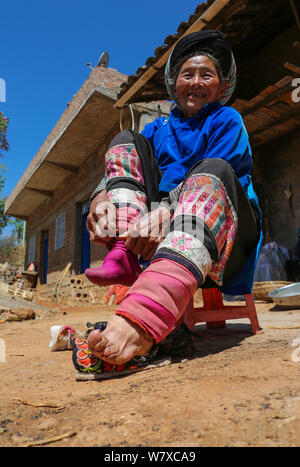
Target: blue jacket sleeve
<point x="151" y="128"/>
<point x="228" y="140"/>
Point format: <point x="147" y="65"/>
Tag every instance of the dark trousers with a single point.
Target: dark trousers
<point x="247" y="231"/>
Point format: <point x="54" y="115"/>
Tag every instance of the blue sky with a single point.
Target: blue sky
<point x="45" y="46"/>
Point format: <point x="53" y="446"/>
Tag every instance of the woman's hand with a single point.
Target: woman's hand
<point x="101" y="220"/>
<point x="144" y="237"/>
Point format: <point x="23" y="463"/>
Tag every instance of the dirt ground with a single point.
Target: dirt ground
<point x="235" y="389"/>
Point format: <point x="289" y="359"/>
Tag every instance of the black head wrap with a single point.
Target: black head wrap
<point x="204" y="41"/>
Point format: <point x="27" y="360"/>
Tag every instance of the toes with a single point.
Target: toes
<point x="96" y="341"/>
<point x="102" y="347"/>
<point x="102" y="344"/>
<point x="93" y="338"/>
<point x="124" y="341"/>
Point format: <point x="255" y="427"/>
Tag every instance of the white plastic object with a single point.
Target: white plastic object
<point x="58" y="341"/>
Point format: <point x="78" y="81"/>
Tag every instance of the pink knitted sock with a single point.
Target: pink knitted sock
<point x="158" y="298"/>
<point x="120" y="265"/>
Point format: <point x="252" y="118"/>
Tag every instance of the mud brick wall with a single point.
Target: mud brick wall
<point x="280" y="175"/>
<point x="76" y="190"/>
<point x="108" y="78"/>
<point x="78" y="187"/>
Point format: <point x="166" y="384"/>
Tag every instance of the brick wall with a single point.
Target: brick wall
<point x="279" y="168"/>
<point x="68" y="198"/>
<point x="76" y="189"/>
<point x="107" y="78"/>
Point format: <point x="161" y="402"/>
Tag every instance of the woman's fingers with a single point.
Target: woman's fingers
<point x="105" y="220"/>
<point x="101" y="220"/>
<point x="90" y="226"/>
<point x="149" y="250"/>
<point x="144" y="237"/>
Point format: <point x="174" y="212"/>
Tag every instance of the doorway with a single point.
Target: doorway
<point x="85" y="239"/>
<point x="46" y="251"/>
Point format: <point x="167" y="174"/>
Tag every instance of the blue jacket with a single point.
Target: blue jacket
<point x="217" y="131"/>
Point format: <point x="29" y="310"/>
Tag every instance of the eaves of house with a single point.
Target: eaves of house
<point x="87" y="118"/>
<point x="250" y="26"/>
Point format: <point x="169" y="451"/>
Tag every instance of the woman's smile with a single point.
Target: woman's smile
<point x="198" y="84"/>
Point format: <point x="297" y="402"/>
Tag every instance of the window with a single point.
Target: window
<point x="31" y="249"/>
<point x="60" y="231"/>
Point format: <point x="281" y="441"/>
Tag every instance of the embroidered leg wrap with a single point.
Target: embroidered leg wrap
<point x="125" y="189"/>
<point x="159" y="297"/>
<point x="203" y="227"/>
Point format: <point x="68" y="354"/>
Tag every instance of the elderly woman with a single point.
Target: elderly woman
<point x="192" y="171"/>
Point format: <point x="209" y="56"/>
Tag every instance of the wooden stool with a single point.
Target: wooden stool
<point x="215" y="313"/>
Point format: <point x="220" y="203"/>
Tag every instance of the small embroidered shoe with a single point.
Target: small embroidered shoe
<point x="60" y="337"/>
<point x="90" y="367"/>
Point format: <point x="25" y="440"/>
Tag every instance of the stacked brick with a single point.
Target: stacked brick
<point x="73" y="290"/>
<point x="79" y="289"/>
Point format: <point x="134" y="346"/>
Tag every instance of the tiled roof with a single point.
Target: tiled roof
<point x="247" y="24"/>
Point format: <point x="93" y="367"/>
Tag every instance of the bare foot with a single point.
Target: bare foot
<point x="120" y="341"/>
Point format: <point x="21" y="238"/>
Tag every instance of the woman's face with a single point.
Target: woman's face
<point x="198" y="84"/>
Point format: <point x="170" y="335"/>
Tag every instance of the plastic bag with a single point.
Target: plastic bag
<point x="271" y="263"/>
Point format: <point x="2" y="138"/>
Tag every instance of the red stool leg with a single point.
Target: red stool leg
<point x="213" y="300"/>
<point x="251" y="311"/>
<point x="214" y="313"/>
<point x="188" y="318"/>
